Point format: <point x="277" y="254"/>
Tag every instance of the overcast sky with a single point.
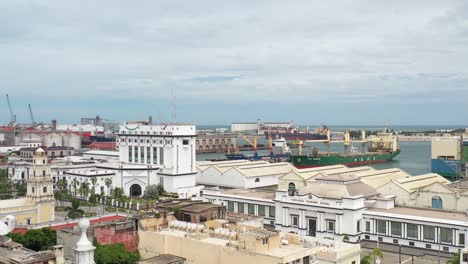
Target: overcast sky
<point x="346" y="62"/>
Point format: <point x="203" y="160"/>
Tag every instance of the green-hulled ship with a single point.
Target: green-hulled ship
<point x="381" y="148"/>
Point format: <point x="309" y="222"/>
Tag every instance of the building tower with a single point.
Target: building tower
<point x="84" y="251"/>
<point x="40" y="188"/>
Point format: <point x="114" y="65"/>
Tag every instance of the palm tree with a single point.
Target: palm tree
<point x="366" y="260"/>
<point x="376" y="254"/>
<point x="74" y="211"/>
<point x="108" y="183"/>
<point x="84" y="189"/>
<point x="75" y="184"/>
<point x="93" y="181"/>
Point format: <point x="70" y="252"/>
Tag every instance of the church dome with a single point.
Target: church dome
<point x="40" y="150"/>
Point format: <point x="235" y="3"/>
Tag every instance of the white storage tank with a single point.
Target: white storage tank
<point x="53" y="139"/>
<point x="72" y="140"/>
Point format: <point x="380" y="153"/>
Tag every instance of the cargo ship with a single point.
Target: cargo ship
<point x="381" y="148"/>
<point x="295" y="134"/>
<point x="351" y="159"/>
<point x="449" y="155"/>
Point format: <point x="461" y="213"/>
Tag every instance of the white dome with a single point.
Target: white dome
<point x="4" y="229"/>
<point x="40" y="150"/>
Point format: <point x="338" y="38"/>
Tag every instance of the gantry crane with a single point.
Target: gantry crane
<point x="12" y="115"/>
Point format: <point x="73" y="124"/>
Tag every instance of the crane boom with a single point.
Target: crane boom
<point x="12" y="115"/>
<point x="253" y="144"/>
<point x="31" y="114"/>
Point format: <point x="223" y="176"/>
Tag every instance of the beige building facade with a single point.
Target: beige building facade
<point x="39" y="205"/>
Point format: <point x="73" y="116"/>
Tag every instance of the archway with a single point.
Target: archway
<point x="135" y="190"/>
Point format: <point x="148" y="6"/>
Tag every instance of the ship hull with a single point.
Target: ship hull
<point x="304" y="161"/>
<point x="297" y="136"/>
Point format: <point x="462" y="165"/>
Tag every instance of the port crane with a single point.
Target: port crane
<point x="12" y="115"/>
<point x="31" y="114"/>
<point x="253" y="144"/>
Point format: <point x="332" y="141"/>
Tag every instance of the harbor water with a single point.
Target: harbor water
<point x="415" y="157"/>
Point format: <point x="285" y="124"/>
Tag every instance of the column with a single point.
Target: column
<point x="286" y="216"/>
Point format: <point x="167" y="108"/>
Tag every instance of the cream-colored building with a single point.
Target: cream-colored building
<point x="241" y="244"/>
<point x="39" y="205"/>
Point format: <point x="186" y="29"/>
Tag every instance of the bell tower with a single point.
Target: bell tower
<point x="40" y="187"/>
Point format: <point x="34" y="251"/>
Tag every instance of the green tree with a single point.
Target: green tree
<point x="108" y="183"/>
<point x="21" y="188"/>
<point x="75" y="184"/>
<point x="114" y="254"/>
<point x="93" y="182"/>
<point x="74" y="211"/>
<point x="6" y="187"/>
<point x="366" y="260"/>
<point x="455" y="259"/>
<point x="84" y="189"/>
<point x="36" y="239"/>
<point x="62" y="185"/>
<point x="118" y="193"/>
<point x="93" y="200"/>
<point x="376" y="253"/>
<point x="152" y="192"/>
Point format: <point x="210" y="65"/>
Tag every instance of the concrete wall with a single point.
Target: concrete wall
<point x="197" y="252"/>
<point x="108" y="234"/>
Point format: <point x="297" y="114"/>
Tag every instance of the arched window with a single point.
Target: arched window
<point x="257" y="179"/>
<point x="437" y="202"/>
<point x="291" y="188"/>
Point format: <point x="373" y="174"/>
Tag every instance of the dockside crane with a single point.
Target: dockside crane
<point x="12" y="115"/>
<point x="253" y="144"/>
<point x="31" y="114"/>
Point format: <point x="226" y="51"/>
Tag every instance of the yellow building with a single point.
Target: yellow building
<point x="38" y="206"/>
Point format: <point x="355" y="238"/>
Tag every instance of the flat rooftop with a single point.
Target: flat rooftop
<point x="262" y="193"/>
<point x="422" y="212"/>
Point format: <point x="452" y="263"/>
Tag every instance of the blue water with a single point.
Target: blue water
<point x="415" y="157"/>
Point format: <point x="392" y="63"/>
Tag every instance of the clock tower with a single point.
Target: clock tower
<point x="40" y="187"/>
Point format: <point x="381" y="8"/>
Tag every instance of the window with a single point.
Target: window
<point x="411" y="243"/>
<point x="330" y="226"/>
<point x="265" y="241"/>
<point x="230" y="206"/>
<point x="395" y="241"/>
<point x="261" y="210"/>
<point x="358" y="226"/>
<point x="130" y="148"/>
<point x="294" y="220"/>
<point x="44" y="189"/>
<point x="291" y="188"/>
<point x="446" y="235"/>
<point x="412" y="231"/>
<point x="240" y="207"/>
<point x="148" y="155"/>
<point x="437" y="202"/>
<point x="32" y="190"/>
<point x="461" y="239"/>
<point x="306" y="260"/>
<point x="257" y="179"/>
<point x="429" y="233"/>
<point x="396" y="229"/>
<point x="251" y="209"/>
<point x="142" y="155"/>
<point x="367" y="226"/>
<point x="155" y="155"/>
<point x="428" y="246"/>
<point x="272" y="211"/>
<point x="381" y="227"/>
<point x="185" y="142"/>
<point x="161" y="156"/>
<point x="43" y="173"/>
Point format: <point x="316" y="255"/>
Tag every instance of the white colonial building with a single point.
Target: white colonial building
<point x="168" y="147"/>
<point x="340" y="203"/>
